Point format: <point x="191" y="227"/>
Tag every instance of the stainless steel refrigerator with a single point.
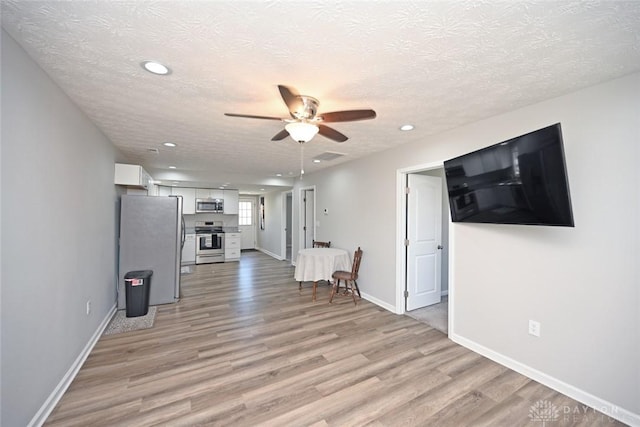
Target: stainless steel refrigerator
<point x="151" y="238"/>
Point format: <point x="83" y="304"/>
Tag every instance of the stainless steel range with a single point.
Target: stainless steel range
<point x="209" y="242"/>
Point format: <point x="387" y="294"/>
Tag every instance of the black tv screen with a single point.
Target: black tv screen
<point x="519" y="181"/>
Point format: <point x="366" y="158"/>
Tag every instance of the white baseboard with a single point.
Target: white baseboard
<point x="378" y="302"/>
<point x="607" y="408"/>
<point x="45" y="410"/>
<point x="271" y="254"/>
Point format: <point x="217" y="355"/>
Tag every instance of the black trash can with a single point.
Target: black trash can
<point x="137" y="286"/>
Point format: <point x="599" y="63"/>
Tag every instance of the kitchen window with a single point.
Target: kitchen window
<point x="245" y="213"/>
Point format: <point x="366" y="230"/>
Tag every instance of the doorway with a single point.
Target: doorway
<point x="415" y="222"/>
<point x="424" y="241"/>
<point x="287" y="235"/>
<point x="247" y="220"/>
<point x="307" y="217"/>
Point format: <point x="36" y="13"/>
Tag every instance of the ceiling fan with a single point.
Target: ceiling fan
<point x="305" y="122"/>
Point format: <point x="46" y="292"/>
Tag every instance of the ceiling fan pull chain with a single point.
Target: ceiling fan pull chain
<point x="301" y="160"/>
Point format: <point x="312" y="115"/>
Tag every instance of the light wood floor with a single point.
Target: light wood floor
<point x="244" y="348"/>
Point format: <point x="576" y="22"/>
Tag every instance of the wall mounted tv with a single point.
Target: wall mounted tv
<point x="519" y="181"/>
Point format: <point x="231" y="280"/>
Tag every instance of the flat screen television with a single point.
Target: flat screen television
<point x="519" y="181"/>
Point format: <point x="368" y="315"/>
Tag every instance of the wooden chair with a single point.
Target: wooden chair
<point x="349" y="277"/>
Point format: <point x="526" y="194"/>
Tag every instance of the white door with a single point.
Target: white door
<point x="424" y="232"/>
<point x="309" y="218"/>
<point x="247" y="220"/>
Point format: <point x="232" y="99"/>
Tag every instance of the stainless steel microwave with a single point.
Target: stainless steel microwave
<point x="209" y="206"/>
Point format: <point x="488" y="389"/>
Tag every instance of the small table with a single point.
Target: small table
<point x="315" y="264"/>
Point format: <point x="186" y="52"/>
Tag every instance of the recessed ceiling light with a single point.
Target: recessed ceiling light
<point x="316" y="161"/>
<point x="278" y="174"/>
<point x="406" y="127"/>
<point x="156" y="68"/>
<point x="221" y="187"/>
<point x="172" y="167"/>
<point x="169" y="144"/>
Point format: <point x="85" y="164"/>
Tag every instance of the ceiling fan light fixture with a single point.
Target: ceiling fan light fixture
<point x="301" y="132"/>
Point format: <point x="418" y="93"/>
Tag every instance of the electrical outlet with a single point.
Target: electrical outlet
<point x="88" y="307"/>
<point x="534" y="328"/>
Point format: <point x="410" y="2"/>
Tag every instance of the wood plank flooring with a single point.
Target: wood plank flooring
<point x="243" y="347"/>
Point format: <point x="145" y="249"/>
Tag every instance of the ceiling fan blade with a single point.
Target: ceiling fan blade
<point x="292" y="98"/>
<point x="280" y="135"/>
<point x="347" y="116"/>
<point x="331" y="133"/>
<point x="250" y="116"/>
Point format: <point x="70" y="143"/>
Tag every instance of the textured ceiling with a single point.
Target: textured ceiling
<point x="437" y="65"/>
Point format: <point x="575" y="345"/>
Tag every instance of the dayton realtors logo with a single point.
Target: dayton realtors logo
<point x="544" y="411"/>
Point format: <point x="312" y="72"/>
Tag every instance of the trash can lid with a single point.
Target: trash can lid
<point x="138" y="274"/>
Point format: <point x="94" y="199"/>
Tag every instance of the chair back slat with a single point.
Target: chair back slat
<point x="319" y="244"/>
<point x="357" y="257"/>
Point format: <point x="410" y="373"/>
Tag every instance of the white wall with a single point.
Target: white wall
<point x="59" y="218"/>
<point x="581" y="283"/>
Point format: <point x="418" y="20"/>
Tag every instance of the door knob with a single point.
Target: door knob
<point x="439" y="246"/>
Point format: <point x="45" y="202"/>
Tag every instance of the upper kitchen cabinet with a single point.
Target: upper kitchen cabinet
<point x="164" y="190"/>
<point x="209" y="193"/>
<point x="231" y="202"/>
<point x="132" y="176"/>
<point x="188" y="199"/>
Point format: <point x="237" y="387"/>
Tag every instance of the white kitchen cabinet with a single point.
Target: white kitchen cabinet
<point x="209" y="193"/>
<point x="189" y="250"/>
<point x="232" y="246"/>
<point x="188" y="199"/>
<point x="164" y="191"/>
<point x="131" y="176"/>
<point x="231" y="202"/>
<point x="152" y="190"/>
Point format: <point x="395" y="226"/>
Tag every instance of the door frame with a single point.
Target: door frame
<point x="301" y="213"/>
<point x="401" y="227"/>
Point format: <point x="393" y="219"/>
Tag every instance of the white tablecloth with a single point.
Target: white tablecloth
<point x="315" y="264"/>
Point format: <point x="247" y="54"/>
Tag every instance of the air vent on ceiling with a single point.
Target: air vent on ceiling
<point x="328" y="156"/>
<point x="153" y="150"/>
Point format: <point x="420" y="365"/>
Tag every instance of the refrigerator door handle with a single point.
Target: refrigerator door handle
<point x="183" y="233"/>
